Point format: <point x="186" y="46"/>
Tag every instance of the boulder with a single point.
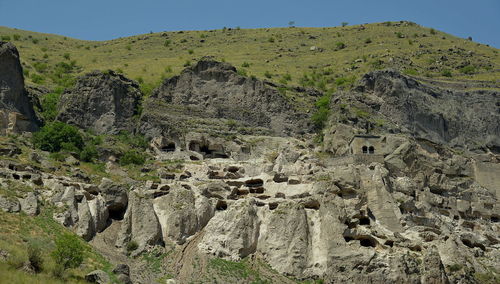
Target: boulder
<point x="98" y="276"/>
<point x="85" y="227"/>
<point x="9" y="205"/>
<point x="29" y="204"/>
<point x="102" y="101"/>
<point x="99" y="213"/>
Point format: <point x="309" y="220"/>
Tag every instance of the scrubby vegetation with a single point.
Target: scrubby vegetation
<point x="264" y="53"/>
<point x="56" y="136"/>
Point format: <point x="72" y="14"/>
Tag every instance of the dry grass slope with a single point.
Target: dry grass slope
<point x="327" y="56"/>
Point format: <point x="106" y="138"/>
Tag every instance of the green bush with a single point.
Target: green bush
<point x="320" y="117"/>
<point x="16" y="37"/>
<point x="135" y="141"/>
<point x="410" y="72"/>
<point x="446" y="73"/>
<point x="468" y="69"/>
<point x="69" y="251"/>
<point x="57" y="135"/>
<point x="5" y="38"/>
<point x="49" y="106"/>
<point x="340" y="45"/>
<point x="132" y="157"/>
<point x="88" y="153"/>
<point x="368" y="40"/>
<point x="455" y="267"/>
<point x="35" y="257"/>
<point x="400" y="35"/>
<point x="245" y="65"/>
<point x="67" y="56"/>
<point x="242" y="72"/>
<point x="132" y="245"/>
<point x="37" y="79"/>
<point x="268" y="75"/>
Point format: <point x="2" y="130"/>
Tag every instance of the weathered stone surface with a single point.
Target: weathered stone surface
<point x="284" y="240"/>
<point x="102" y="101"/>
<point x="140" y="223"/>
<point x="214" y="90"/>
<point x="85" y="227"/>
<point x="98" y="276"/>
<point x="9" y="205"/>
<point x="233" y="233"/>
<point x="29" y="204"/>
<point x="452" y="117"/>
<point x="16" y="109"/>
<point x="177" y="215"/>
<point x="115" y="195"/>
<point x="100" y="213"/>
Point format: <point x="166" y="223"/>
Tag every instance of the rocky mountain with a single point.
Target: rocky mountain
<point x="211" y="91"/>
<point x="16" y="108"/>
<point x="401" y="186"/>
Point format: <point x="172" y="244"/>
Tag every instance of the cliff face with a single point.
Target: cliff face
<point x="16" y="110"/>
<point x="399" y="204"/>
<point x="102" y="101"/>
<point x="467" y="119"/>
<point x="214" y="93"/>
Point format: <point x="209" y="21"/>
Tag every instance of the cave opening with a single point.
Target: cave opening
<point x="170" y="147"/>
<point x="365" y="242"/>
<point x="364" y="220"/>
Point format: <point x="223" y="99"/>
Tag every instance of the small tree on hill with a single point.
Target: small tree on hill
<point x="68" y="252"/>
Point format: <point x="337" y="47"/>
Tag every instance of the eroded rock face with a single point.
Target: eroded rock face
<point x="457" y="118"/>
<point x="233" y="233"/>
<point x="16" y="110"/>
<point x="102" y="101"/>
<point x="213" y="90"/>
<point x="140" y="223"/>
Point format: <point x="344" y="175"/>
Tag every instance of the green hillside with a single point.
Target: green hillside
<point x="320" y="57"/>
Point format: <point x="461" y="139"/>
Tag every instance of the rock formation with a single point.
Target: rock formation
<point x="400" y="103"/>
<point x="104" y="102"/>
<point x="16" y="110"/>
<point x="212" y="91"/>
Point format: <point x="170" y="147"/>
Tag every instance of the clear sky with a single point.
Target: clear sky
<point x="108" y="19"/>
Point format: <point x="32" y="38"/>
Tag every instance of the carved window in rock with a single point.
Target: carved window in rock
<point x="371" y="150"/>
<point x="365" y="149"/>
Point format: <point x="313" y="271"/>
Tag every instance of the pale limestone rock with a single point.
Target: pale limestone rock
<point x="232" y="234"/>
<point x="29" y="204"/>
<point x="284" y="240"/>
<point x="85" y="227"/>
<point x="140" y="223"/>
<point x="99" y="212"/>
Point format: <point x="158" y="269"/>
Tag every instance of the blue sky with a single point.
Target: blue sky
<point x="108" y="19"/>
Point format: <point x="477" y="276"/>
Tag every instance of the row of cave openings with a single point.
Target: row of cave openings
<point x="200" y="147"/>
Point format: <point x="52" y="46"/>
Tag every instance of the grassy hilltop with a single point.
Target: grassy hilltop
<point x="321" y="57"/>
